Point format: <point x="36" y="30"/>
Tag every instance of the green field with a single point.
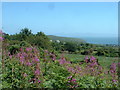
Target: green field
<point x="66" y="39"/>
<point x="104" y="61"/>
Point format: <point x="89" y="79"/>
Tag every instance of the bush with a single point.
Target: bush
<point x="25" y="44"/>
<point x="13" y="49"/>
<point x="27" y="69"/>
<point x="71" y="47"/>
<point x="40" y="41"/>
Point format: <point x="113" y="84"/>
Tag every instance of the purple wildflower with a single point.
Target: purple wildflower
<point x="113" y="68"/>
<point x="1" y="38"/>
<point x="21" y="49"/>
<point x="73" y="80"/>
<point x="39" y="81"/>
<point x="86" y="59"/>
<point x="46" y="51"/>
<point x="53" y="57"/>
<point x="36" y="59"/>
<point x="28" y="64"/>
<point x="69" y="77"/>
<point x="25" y="75"/>
<point x="22" y="61"/>
<point x="28" y="49"/>
<point x="78" y="68"/>
<point x="92" y="59"/>
<point x="10" y="56"/>
<point x="114" y="81"/>
<point x="37" y="72"/>
<point x="119" y="64"/>
<point x="62" y="61"/>
<point x="70" y="69"/>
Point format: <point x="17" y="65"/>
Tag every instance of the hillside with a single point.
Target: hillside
<point x="65" y="39"/>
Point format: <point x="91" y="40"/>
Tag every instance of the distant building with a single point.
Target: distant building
<point x="64" y="42"/>
<point x="50" y="40"/>
<point x="58" y="41"/>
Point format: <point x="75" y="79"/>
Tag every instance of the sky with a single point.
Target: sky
<point x="71" y="19"/>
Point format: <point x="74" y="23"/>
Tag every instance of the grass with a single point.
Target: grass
<point x="104" y="61"/>
<point x="66" y="39"/>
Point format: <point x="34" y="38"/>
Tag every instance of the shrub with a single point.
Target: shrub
<point x="25" y="44"/>
<point x="13" y="49"/>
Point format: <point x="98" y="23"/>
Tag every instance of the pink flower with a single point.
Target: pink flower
<point x="10" y="56"/>
<point x="70" y="69"/>
<point x="52" y="56"/>
<point x="69" y="81"/>
<point x="62" y="61"/>
<point x="28" y="64"/>
<point x="113" y="68"/>
<point x="21" y="49"/>
<point x="1" y="38"/>
<point x="46" y="51"/>
<point x="28" y="49"/>
<point x="39" y="81"/>
<point x="86" y="59"/>
<point x="25" y="75"/>
<point x="119" y="64"/>
<point x="69" y="77"/>
<point x="68" y="62"/>
<point x="22" y="58"/>
<point x="114" y="81"/>
<point x="36" y="59"/>
<point x="22" y="61"/>
<point x="92" y="58"/>
<point x="78" y="68"/>
<point x="37" y="72"/>
<point x="73" y="80"/>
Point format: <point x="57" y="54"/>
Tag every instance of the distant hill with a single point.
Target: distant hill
<point x="65" y="39"/>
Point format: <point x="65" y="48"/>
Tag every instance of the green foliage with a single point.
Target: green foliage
<point x="53" y="74"/>
<point x="40" y="41"/>
<point x="14" y="42"/>
<point x="13" y="49"/>
<point x="25" y="33"/>
<point x="66" y="39"/>
<point x="71" y="47"/>
<point x="56" y="76"/>
<point x="24" y="66"/>
<point x="24" y="44"/>
<point x="60" y="44"/>
<point x="93" y="82"/>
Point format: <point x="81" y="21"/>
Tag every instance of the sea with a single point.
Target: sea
<point x="101" y="40"/>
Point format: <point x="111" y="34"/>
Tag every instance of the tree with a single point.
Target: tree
<point x="71" y="47"/>
<point x="40" y="34"/>
<point x="25" y="33"/>
<point x="40" y="39"/>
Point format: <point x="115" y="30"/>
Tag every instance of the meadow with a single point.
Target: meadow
<point x="103" y="60"/>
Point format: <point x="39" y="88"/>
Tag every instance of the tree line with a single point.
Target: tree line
<point x="25" y="38"/>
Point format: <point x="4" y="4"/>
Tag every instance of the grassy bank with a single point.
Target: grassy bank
<point x="104" y="61"/>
